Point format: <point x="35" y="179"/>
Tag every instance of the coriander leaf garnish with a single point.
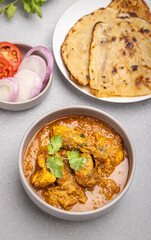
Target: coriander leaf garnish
<point x="75" y="162"/>
<point x="30" y="6"/>
<point x="56" y="144"/>
<point x="10" y="9"/>
<point x="54" y="164"/>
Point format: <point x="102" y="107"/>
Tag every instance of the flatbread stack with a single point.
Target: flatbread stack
<point x="110" y="50"/>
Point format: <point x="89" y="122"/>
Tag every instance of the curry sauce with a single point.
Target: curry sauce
<point x="102" y="177"/>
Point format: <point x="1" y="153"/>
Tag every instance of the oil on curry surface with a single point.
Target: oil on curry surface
<point x="101" y="178"/>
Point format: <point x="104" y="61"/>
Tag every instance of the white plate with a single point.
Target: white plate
<point x="67" y="20"/>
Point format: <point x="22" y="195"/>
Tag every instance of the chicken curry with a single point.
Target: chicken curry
<point x="76" y="163"/>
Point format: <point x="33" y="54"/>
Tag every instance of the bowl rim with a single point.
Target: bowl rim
<point x="60" y="211"/>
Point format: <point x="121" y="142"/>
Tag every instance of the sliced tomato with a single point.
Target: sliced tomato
<point x="6" y="69"/>
<point x="11" y="53"/>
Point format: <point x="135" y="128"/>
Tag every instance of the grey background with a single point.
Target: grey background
<point x="19" y="217"/>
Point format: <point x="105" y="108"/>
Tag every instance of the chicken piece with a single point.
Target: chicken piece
<point x="42" y="177"/>
<point x="68" y="192"/>
<point x="87" y="176"/>
<point x="109" y="187"/>
<point x="68" y="182"/>
<point x="102" y="149"/>
<point x="119" y="158"/>
<point x="43" y="136"/>
<point x="60" y="198"/>
<point x="110" y="147"/>
<point x="72" y="139"/>
<point x="107" y="169"/>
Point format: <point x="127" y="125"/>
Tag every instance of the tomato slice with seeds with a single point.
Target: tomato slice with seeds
<point x="11" y="53"/>
<point x="6" y="70"/>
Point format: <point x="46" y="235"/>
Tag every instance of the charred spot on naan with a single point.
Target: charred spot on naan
<point x="135" y="8"/>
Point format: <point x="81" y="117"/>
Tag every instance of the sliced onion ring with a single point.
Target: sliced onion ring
<point x="8" y="90"/>
<point x="34" y="63"/>
<point x="29" y="84"/>
<point x="49" y="60"/>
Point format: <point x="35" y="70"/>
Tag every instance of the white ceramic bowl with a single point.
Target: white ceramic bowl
<point x="76" y="110"/>
<point x="18" y="106"/>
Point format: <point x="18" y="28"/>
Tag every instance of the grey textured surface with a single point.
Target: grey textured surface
<point x="19" y="217"/>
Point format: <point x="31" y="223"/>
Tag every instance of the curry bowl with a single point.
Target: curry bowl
<point x="38" y="98"/>
<point x="61" y="123"/>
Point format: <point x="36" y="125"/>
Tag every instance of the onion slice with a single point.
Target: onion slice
<point x="36" y="64"/>
<point x="8" y="90"/>
<point x="29" y="84"/>
<point x="48" y="58"/>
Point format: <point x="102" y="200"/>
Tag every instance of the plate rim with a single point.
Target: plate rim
<point x="57" y="59"/>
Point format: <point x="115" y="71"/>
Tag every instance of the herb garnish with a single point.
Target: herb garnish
<point x="30" y="6"/>
<point x="54" y="162"/>
<point x="75" y="162"/>
<point x="56" y="144"/>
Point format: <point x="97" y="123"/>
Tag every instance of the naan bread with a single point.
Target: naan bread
<point x="134" y="7"/>
<point x="120" y="59"/>
<point x="76" y="46"/>
<point x="75" y="49"/>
